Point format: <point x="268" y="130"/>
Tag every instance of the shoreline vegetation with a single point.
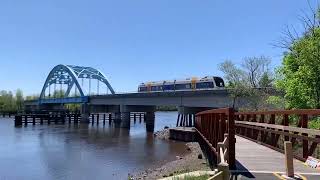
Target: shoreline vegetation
<point x="192" y="160"/>
<point x="166" y="108"/>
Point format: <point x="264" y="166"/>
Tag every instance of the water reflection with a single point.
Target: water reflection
<point x="82" y="151"/>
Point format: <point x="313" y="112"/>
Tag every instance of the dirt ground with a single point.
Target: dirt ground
<point x="185" y="163"/>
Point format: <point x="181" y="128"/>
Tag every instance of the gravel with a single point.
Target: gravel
<point x="184" y="163"/>
<point x="163" y="134"/>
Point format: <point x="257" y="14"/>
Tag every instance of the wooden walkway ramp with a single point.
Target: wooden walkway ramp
<point x="258" y="159"/>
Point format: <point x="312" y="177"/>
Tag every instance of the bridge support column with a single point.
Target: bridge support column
<point x="186" y="116"/>
<point x="84" y="110"/>
<point x="117" y="119"/>
<point x="150" y="119"/>
<point x="125" y="116"/>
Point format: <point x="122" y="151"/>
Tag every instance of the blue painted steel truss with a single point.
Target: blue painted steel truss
<point x="69" y="75"/>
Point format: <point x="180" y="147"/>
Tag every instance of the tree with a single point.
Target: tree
<point x="235" y="79"/>
<point x="7" y="101"/>
<point x="300" y="70"/>
<point x="257" y="70"/>
<point x="19" y="99"/>
<point x="58" y="93"/>
<point x="32" y="97"/>
<point x="245" y="81"/>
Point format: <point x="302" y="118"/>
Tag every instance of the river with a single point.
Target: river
<point x="83" y="151"/>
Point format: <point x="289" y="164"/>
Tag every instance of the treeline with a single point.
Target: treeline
<point x="167" y="108"/>
<point x="252" y="80"/>
<point x="11" y="102"/>
<point x="295" y="84"/>
<point x="296" y="81"/>
<point x="14" y="101"/>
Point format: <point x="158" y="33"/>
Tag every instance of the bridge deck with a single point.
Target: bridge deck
<point x="255" y="157"/>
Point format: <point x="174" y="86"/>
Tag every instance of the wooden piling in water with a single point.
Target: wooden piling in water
<point x="33" y="120"/>
<point x="69" y="118"/>
<point x="75" y="118"/>
<point x="18" y="121"/>
<point x="92" y="119"/>
<point x="56" y="119"/>
<point x="181" y="119"/>
<point x="97" y="119"/>
<point x="178" y="120"/>
<point x="25" y="120"/>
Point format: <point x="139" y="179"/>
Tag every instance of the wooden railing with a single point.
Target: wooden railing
<point x="211" y="127"/>
<point x="223" y="150"/>
<point x="272" y="128"/>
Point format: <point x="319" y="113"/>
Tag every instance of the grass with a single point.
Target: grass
<point x="203" y="177"/>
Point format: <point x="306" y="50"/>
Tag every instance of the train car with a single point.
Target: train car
<point x="206" y="83"/>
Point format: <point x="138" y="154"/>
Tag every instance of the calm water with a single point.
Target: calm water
<point x="83" y="151"/>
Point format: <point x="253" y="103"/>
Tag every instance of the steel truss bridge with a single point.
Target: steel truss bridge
<point x="68" y="84"/>
<point x="72" y="77"/>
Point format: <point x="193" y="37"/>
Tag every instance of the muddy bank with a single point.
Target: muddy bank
<point x="191" y="161"/>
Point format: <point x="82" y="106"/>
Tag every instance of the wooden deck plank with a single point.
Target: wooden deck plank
<point x="256" y="157"/>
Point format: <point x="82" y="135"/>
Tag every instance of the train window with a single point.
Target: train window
<point x="205" y="85"/>
<point x="154" y="88"/>
<point x="142" y="89"/>
<point x="168" y="87"/>
<point x="183" y="86"/>
<point x="219" y="81"/>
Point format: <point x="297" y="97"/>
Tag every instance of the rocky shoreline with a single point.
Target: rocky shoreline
<point x="192" y="161"/>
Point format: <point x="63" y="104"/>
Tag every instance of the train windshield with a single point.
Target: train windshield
<point x="219" y="82"/>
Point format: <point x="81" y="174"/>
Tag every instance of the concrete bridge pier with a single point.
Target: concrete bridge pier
<point x="117" y="119"/>
<point x="85" y="113"/>
<point x="186" y="115"/>
<point x="123" y="117"/>
<point x="150" y="119"/>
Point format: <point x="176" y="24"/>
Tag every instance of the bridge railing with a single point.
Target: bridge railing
<point x="272" y="128"/>
<point x="211" y="127"/>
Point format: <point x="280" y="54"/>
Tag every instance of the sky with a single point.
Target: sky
<point x="133" y="41"/>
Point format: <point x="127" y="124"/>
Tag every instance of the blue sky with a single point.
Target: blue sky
<point x="137" y="41"/>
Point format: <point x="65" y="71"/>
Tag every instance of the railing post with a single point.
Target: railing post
<point x="231" y="139"/>
<point x="220" y="146"/>
<point x="286" y="123"/>
<point x="305" y="143"/>
<point x="289" y="158"/>
<point x="226" y="137"/>
<point x="224" y="168"/>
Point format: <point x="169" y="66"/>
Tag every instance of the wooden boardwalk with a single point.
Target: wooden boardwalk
<point x="256" y="158"/>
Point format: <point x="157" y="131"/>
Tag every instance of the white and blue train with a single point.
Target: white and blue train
<point x="206" y="83"/>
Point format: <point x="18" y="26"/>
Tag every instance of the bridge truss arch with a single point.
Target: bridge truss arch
<point x="70" y="75"/>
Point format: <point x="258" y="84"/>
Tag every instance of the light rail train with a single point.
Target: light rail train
<point x="206" y="83"/>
